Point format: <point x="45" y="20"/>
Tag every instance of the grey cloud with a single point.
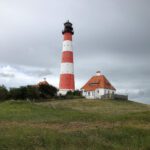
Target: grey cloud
<point x="39" y="72"/>
<point x="33" y="71"/>
<point x="141" y="95"/>
<point x="7" y="75"/>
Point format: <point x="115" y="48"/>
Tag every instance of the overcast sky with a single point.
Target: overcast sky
<point x="112" y="36"/>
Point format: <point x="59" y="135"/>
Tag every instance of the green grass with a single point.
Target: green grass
<point x="74" y="124"/>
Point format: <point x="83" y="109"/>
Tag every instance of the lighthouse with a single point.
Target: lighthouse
<point x="67" y="82"/>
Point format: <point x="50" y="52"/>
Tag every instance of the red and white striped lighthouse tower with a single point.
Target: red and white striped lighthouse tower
<point x="67" y="67"/>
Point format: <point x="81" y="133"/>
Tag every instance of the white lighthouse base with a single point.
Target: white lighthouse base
<point x="63" y="91"/>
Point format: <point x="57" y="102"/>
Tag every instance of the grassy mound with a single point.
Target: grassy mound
<point x="74" y="124"/>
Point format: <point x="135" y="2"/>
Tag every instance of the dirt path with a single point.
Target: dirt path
<point x="72" y="126"/>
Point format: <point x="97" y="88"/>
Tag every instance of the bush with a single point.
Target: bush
<point x="3" y="93"/>
<point x="73" y="94"/>
<point x="36" y="92"/>
<point x="17" y="93"/>
<point x="33" y="92"/>
<point x="47" y="91"/>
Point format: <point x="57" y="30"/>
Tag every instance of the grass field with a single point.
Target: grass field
<point x="74" y="125"/>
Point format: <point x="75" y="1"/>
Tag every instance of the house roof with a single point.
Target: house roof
<point x="43" y="83"/>
<point x="97" y="81"/>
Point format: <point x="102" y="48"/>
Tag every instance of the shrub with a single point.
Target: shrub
<point x="47" y="91"/>
<point x="17" y="93"/>
<point x="3" y="93"/>
<point x="73" y="94"/>
<point x="32" y="93"/>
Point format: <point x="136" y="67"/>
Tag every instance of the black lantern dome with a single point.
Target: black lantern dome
<point x="68" y="28"/>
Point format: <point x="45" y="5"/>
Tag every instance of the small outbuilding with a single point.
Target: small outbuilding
<point x="97" y="86"/>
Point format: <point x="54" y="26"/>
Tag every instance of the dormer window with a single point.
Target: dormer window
<point x="94" y="83"/>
